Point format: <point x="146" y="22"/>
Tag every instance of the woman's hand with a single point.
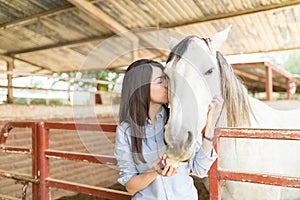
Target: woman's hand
<point x="214" y="111"/>
<point x="162" y="168"/>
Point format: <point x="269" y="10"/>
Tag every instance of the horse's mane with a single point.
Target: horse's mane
<point x="234" y="93"/>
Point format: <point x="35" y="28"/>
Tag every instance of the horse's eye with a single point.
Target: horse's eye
<point x="208" y="72"/>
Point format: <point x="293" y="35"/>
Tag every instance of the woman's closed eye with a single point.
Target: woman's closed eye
<point x="161" y="79"/>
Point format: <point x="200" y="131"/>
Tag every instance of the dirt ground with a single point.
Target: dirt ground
<point x="203" y="194"/>
<point x="116" y="186"/>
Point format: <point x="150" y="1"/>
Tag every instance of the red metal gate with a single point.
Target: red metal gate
<point x="41" y="180"/>
<point x="216" y="174"/>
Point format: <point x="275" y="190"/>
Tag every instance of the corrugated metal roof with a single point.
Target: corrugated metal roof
<point x="58" y="35"/>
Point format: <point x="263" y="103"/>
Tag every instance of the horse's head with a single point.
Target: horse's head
<point x="197" y="72"/>
<point x="188" y="100"/>
<point x="194" y="75"/>
<point x="201" y="53"/>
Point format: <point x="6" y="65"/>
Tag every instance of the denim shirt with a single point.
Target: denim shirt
<point x="179" y="186"/>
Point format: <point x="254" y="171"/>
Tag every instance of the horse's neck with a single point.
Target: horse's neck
<point x="267" y="117"/>
<point x="222" y="122"/>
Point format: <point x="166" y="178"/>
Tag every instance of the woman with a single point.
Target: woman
<point x="140" y="138"/>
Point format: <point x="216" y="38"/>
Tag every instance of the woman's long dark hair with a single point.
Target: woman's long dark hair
<point x="135" y="102"/>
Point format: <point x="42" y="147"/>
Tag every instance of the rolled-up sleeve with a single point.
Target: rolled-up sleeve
<point x="124" y="156"/>
<point x="201" y="161"/>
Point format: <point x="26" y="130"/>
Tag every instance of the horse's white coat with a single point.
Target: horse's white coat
<point x="187" y="114"/>
<point x="258" y="156"/>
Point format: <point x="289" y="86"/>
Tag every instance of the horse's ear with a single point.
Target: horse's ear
<point x="220" y="37"/>
<point x="173" y="42"/>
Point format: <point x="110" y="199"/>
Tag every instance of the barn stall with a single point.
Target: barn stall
<point x="41" y="38"/>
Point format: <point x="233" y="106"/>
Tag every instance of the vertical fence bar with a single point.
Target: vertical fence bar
<point x="35" y="168"/>
<point x="43" y="162"/>
<point x="214" y="185"/>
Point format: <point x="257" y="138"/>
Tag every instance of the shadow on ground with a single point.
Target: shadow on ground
<point x="202" y="192"/>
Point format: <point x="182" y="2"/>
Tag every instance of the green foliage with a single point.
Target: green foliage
<point x="79" y="77"/>
<point x="56" y="102"/>
<point x="289" y="60"/>
<point x="107" y="75"/>
<point x="38" y="101"/>
<point x="292" y="64"/>
<point x="18" y="100"/>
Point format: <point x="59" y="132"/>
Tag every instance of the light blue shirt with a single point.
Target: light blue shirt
<point x="179" y="186"/>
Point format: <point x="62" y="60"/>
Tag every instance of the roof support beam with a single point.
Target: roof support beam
<point x="91" y="10"/>
<point x="10" y="97"/>
<point x="37" y="16"/>
<point x="288" y="89"/>
<point x="10" y="58"/>
<point x="59" y="45"/>
<point x="269" y="83"/>
<point x="109" y="22"/>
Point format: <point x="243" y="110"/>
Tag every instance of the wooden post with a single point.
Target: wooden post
<point x="10" y="67"/>
<point x="288" y="89"/>
<point x="269" y="83"/>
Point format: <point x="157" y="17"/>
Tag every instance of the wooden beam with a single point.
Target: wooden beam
<point x="262" y="65"/>
<point x="91" y="10"/>
<point x="288" y="89"/>
<point x="255" y="87"/>
<point x="248" y="65"/>
<point x="10" y="68"/>
<point x="269" y="84"/>
<point x="278" y="70"/>
<point x="247" y="75"/>
<point x="259" y="79"/>
<point x="270" y="50"/>
<point x="59" y="45"/>
<point x="37" y="16"/>
<point x="8" y="57"/>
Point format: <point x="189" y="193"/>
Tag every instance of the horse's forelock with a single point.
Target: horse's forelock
<point x="178" y="51"/>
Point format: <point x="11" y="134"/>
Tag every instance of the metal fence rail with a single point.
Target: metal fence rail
<point x="216" y="174"/>
<point x="40" y="179"/>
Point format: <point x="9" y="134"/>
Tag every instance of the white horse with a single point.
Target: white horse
<point x="240" y="110"/>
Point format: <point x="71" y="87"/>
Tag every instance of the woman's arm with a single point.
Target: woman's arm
<point x="214" y="111"/>
<point x="205" y="154"/>
<point x="141" y="181"/>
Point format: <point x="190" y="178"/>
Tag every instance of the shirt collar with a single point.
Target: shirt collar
<point x="159" y="115"/>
